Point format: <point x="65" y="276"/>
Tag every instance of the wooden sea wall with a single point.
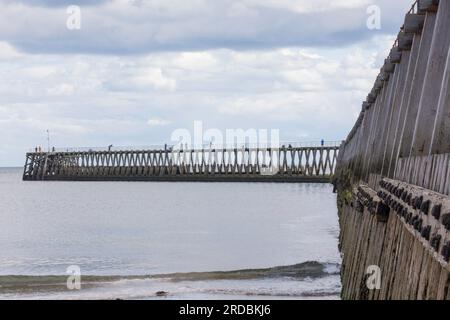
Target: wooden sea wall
<point x="393" y="170"/>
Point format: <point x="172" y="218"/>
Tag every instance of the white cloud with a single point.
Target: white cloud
<point x="154" y="77"/>
<point x="157" y="122"/>
<point x="308" y="6"/>
<point x="196" y="61"/>
<point x="64" y="89"/>
<point x="7" y="51"/>
<point x="39" y="72"/>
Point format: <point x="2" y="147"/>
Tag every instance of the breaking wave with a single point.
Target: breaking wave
<point x="305" y="280"/>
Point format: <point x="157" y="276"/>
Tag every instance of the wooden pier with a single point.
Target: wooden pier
<point x="393" y="172"/>
<point x="284" y="164"/>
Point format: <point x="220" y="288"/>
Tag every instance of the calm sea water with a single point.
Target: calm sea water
<point x="274" y="240"/>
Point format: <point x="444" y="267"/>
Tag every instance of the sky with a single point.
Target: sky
<point x="136" y="70"/>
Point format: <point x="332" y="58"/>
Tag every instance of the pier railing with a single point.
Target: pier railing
<point x="206" y="146"/>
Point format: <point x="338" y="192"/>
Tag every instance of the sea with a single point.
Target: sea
<point x="167" y="240"/>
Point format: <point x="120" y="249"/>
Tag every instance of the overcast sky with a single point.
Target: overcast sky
<point x="139" y="69"/>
